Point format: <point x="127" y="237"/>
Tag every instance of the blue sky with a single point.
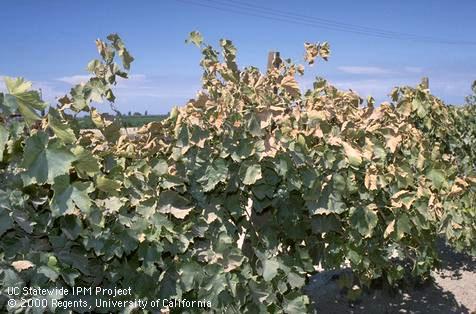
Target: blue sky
<point x="50" y="43"/>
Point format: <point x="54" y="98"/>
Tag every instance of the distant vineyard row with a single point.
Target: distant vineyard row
<point x="133" y="121"/>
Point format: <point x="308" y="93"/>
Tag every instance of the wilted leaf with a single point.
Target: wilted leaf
<point x="195" y="38"/>
<point x="291" y="86"/>
<point x="393" y="141"/>
<point x="370" y="181"/>
<point x="97" y="119"/>
<point x="354" y="155"/>
<point x="276" y="180"/>
<point x="315" y="50"/>
<point x="117" y="43"/>
<point x="22" y="265"/>
<point x="61" y="130"/>
<point x="389" y="229"/>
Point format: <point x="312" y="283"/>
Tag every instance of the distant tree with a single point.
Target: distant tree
<point x="129" y="113"/>
<point x="471" y="99"/>
<point x="145" y="113"/>
<point x="137" y="114"/>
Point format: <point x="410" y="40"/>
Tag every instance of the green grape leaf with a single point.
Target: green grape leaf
<point x="4" y="135"/>
<point x="364" y="219"/>
<point x="61" y="130"/>
<point x="44" y="160"/>
<point x="295" y="303"/>
<point x="108" y="185"/>
<point x="27" y="102"/>
<point x="403" y="226"/>
<point x="215" y="173"/>
<point x="250" y="173"/>
<point x="68" y="196"/>
<point x="437" y="177"/>
<point x="86" y="164"/>
<point x="6" y="221"/>
<point x="175" y="204"/>
<point x="270" y="269"/>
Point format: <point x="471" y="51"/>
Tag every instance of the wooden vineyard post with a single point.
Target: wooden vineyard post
<point x="273" y="60"/>
<point x="41" y="97"/>
<point x="425" y="82"/>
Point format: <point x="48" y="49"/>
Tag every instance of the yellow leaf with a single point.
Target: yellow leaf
<point x="399" y="193"/>
<point x="458" y="187"/>
<point x="318" y="132"/>
<point x="354" y="155"/>
<point x="420" y="161"/>
<point x="97" y="119"/>
<point x="141" y="237"/>
<point x="270" y="146"/>
<point x="368" y="149"/>
<point x="393" y="141"/>
<point x="22" y="265"/>
<point x="389" y="229"/>
<point x="461" y="182"/>
<point x="334" y="141"/>
<point x="315" y="115"/>
<point x="371" y="179"/>
<point x="291" y="86"/>
<point x="471" y="179"/>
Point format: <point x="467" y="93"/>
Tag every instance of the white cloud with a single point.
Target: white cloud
<point x="373" y="70"/>
<point x="77" y="79"/>
<point x="364" y="70"/>
<point x="74" y="79"/>
<point x="49" y="91"/>
<point x="413" y="69"/>
<point x="377" y="88"/>
<point x="3" y="88"/>
<point x="137" y="77"/>
<point x="451" y="90"/>
<point x="141" y="85"/>
<point x="370" y="87"/>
